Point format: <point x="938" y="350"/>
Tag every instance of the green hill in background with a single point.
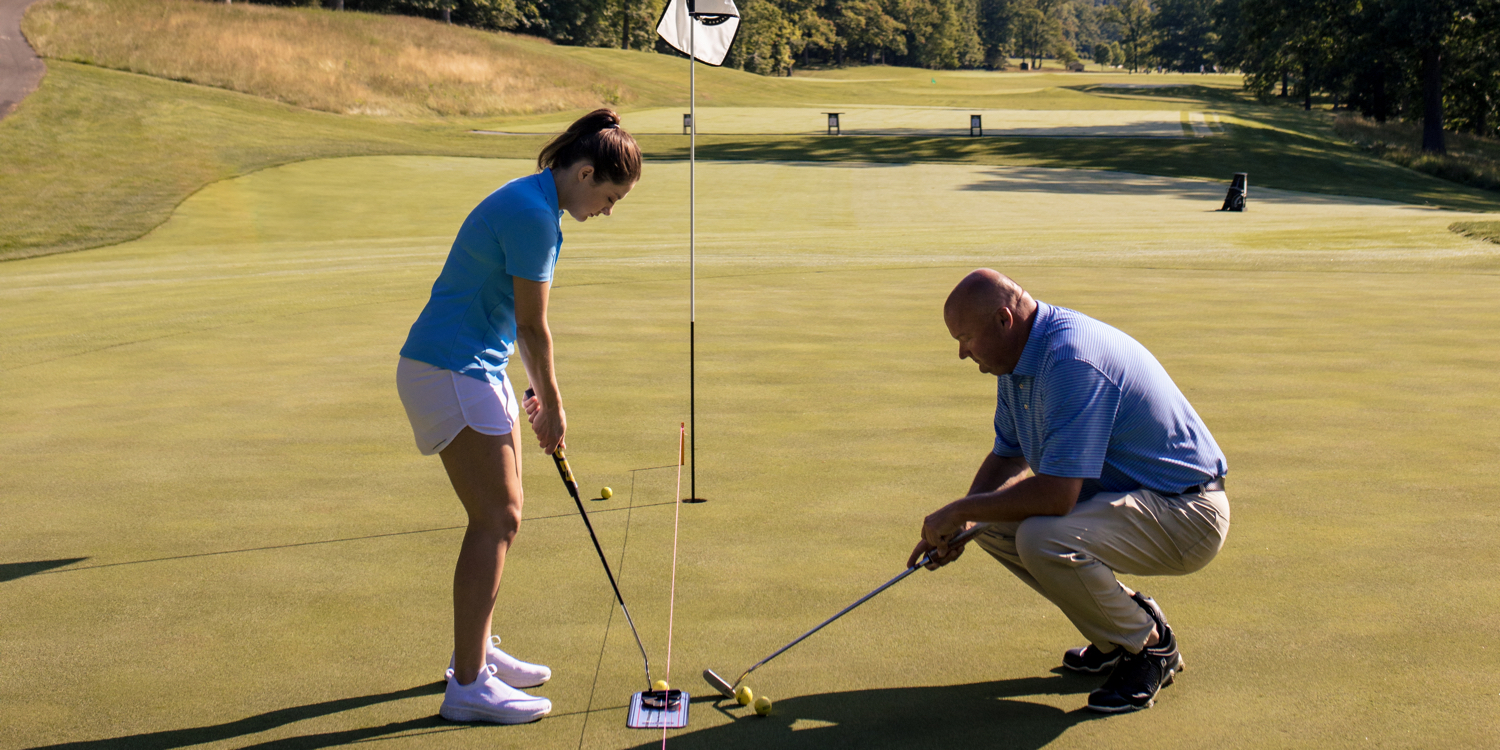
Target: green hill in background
<point x="147" y="101"/>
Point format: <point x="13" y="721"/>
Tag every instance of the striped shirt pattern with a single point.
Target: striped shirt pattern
<point x="1088" y="401"/>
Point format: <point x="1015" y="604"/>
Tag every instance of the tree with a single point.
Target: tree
<point x="1102" y="55"/>
<point x="812" y="31"/>
<point x="1472" y="88"/>
<point x="1036" y="34"/>
<point x="864" y="26"/>
<point x="764" y="42"/>
<point x="1133" y="20"/>
<point x="939" y="34"/>
<point x="1429" y="28"/>
<point x="1065" y="53"/>
<point x="1185" y="35"/>
<point x="996" y="27"/>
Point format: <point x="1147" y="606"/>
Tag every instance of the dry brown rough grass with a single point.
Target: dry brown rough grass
<point x="348" y="63"/>
<point x="1471" y="160"/>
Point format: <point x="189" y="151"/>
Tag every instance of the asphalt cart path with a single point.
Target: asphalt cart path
<point x="20" y="69"/>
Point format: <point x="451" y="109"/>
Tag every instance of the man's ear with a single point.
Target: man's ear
<point x="1004" y="317"/>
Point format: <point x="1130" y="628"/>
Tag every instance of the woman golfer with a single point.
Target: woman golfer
<point x="491" y="300"/>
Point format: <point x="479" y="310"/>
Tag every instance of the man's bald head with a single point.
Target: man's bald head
<point x="984" y="291"/>
<point x="990" y="316"/>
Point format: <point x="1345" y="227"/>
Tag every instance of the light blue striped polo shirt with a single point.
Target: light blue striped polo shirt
<point x="469" y="323"/>
<point x="1088" y="401"/>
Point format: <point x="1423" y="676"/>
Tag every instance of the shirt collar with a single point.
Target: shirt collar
<point x="1036" y="342"/>
<point x="548" y="186"/>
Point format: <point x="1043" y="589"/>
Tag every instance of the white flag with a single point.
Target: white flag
<point x="712" y="24"/>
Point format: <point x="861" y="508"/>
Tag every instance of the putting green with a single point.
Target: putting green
<point x="1072" y="123"/>
<point x="219" y="532"/>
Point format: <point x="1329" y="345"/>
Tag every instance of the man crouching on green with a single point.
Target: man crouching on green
<point x="1125" y="478"/>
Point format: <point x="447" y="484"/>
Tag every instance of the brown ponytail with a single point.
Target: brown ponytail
<point x="598" y="139"/>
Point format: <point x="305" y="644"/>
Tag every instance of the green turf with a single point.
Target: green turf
<point x="219" y="532"/>
<point x="890" y="120"/>
<point x="98" y="156"/>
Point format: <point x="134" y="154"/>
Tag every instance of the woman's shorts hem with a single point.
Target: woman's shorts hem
<point x="441" y="403"/>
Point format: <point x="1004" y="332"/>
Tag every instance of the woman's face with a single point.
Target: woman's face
<point x="582" y="197"/>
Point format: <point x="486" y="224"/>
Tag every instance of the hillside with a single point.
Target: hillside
<point x="345" y="63"/>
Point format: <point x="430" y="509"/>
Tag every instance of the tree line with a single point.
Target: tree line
<point x="1437" y="61"/>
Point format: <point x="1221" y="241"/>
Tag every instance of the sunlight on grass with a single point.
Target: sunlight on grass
<point x="350" y="63"/>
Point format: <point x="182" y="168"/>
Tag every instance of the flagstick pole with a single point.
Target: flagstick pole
<point x="693" y="256"/>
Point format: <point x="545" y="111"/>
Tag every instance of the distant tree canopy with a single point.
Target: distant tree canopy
<point x="1432" y="60"/>
<point x="1437" y="61"/>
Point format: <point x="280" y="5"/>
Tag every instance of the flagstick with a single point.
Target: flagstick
<point x="693" y="258"/>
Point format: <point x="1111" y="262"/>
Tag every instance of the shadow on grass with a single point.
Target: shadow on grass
<point x="12" y="571"/>
<point x="1274" y="158"/>
<point x="45" y="567"/>
<point x="174" y="738"/>
<point x="976" y="715"/>
<point x="1083" y="182"/>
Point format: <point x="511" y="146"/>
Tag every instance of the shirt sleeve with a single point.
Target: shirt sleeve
<point x="530" y="240"/>
<point x="1079" y="411"/>
<point x="1007" y="444"/>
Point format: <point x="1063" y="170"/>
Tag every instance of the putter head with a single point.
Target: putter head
<point x="662" y="700"/>
<point x="718" y="683"/>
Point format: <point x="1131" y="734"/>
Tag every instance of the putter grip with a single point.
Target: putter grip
<point x="960" y="538"/>
<point x="562" y="461"/>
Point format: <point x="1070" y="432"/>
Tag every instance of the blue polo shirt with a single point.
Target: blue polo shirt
<point x="1088" y="401"/>
<point x="469" y="323"/>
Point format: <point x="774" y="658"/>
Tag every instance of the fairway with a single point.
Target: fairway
<point x="891" y="120"/>
<point x="219" y="531"/>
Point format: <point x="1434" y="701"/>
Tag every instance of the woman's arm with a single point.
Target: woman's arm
<point x="534" y="340"/>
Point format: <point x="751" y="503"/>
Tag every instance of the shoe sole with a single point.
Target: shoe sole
<point x="512" y="684"/>
<point x="1086" y="670"/>
<point x="470" y="715"/>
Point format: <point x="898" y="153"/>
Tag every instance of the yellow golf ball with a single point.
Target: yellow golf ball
<point x="762" y="705"/>
<point x="744" y="695"/>
<point x="606" y="493"/>
<point x="659" y="685"/>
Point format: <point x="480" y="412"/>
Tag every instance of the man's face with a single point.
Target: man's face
<point x="983" y="338"/>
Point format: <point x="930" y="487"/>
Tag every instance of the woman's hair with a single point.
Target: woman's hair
<point x="598" y="139"/>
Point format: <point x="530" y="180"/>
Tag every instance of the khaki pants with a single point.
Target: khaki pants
<point x="1072" y="560"/>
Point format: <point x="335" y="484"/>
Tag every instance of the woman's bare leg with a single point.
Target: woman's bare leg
<point x="486" y="473"/>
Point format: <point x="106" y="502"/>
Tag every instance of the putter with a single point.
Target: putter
<point x="727" y="690"/>
<point x="572" y="485"/>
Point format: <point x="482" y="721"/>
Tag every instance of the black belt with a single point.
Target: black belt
<point x="1213" y="485"/>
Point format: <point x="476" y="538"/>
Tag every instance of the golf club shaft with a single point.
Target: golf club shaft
<point x="961" y="538"/>
<point x="567" y="476"/>
<point x="572" y="485"/>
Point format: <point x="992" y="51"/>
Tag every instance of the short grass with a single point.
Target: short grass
<point x="219" y="533"/>
<point x="903" y="121"/>
<point x="101" y="155"/>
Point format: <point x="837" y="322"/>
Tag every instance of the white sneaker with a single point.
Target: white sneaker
<point x="489" y="699"/>
<point x="509" y="669"/>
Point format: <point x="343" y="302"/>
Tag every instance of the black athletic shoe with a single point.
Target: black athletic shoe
<point x="1090" y="660"/>
<point x="1134" y="683"/>
<point x="1137" y="678"/>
